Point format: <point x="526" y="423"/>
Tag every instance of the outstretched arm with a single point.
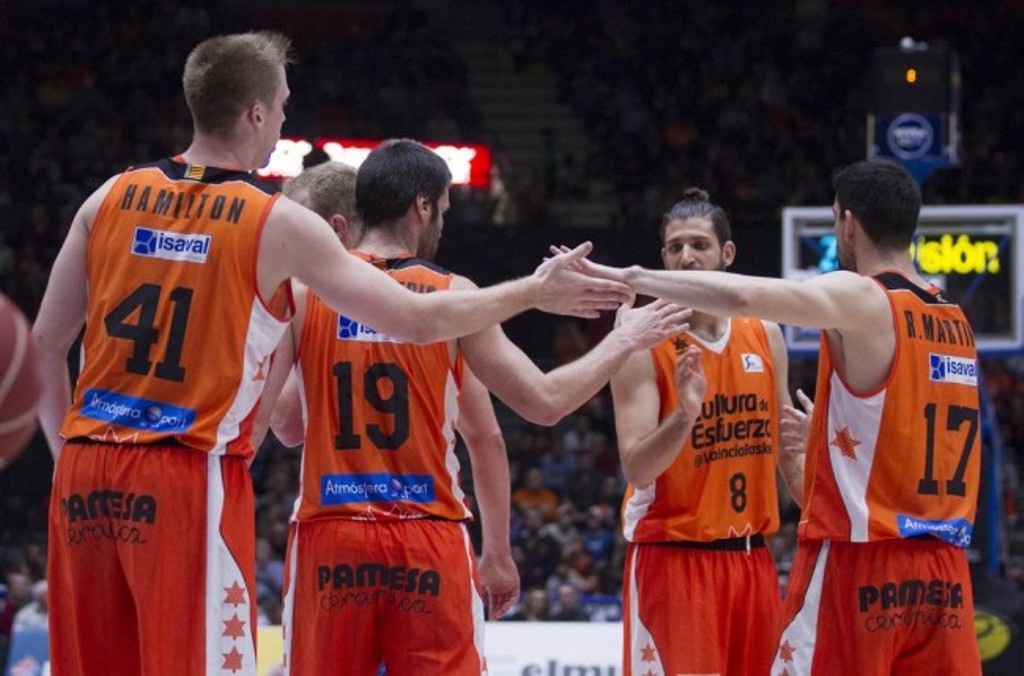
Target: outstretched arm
<point x="840" y="300"/>
<point x="649" y="445"/>
<point x="545" y="398"/>
<point x="479" y="429"/>
<point x="296" y="242"/>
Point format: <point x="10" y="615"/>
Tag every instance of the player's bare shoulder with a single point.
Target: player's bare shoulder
<point x="857" y="301"/>
<point x="463" y="283"/>
<point x="91" y="206"/>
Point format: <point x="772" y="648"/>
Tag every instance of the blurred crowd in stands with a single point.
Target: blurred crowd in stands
<point x="755" y="102"/>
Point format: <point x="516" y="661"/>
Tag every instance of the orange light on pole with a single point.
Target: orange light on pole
<point x="911" y="75"/>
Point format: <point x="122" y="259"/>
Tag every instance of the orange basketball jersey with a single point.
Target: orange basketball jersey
<point x="903" y="460"/>
<point x="177" y="341"/>
<point x="722" y="484"/>
<point x="380" y="415"/>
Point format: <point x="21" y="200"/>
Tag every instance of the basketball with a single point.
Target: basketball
<point x="19" y="382"/>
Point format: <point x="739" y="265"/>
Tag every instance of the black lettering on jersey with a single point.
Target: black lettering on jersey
<point x="235" y="210"/>
<point x="129" y="196"/>
<point x="163" y="202"/>
<point x="908" y="318"/>
<point x="143" y="199"/>
<point x="202" y="205"/>
<point x="942" y="330"/>
<point x="419" y="288"/>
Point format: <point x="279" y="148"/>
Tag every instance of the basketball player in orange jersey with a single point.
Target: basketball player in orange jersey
<point x="178" y="269"/>
<point x="380" y="565"/>
<point x="880" y="583"/>
<point x="696" y="419"/>
<point x="329" y="189"/>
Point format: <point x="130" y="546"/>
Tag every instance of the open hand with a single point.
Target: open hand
<point x="691" y="384"/>
<point x="590" y="268"/>
<point x="567" y="290"/>
<point x="794" y="424"/>
<point x="647" y="326"/>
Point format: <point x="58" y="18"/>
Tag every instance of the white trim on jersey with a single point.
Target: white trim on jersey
<point x="857" y="421"/>
<point x="261" y="339"/>
<point x="451" y="462"/>
<point x="637" y="507"/>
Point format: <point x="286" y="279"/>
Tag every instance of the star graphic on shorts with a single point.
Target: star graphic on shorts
<point x="680" y="344"/>
<point x="786" y="651"/>
<point x="232" y="660"/>
<point x="845" y="442"/>
<point x="234" y="628"/>
<point x="649" y="653"/>
<point x="235" y="594"/>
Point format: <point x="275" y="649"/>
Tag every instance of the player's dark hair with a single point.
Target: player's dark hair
<point x="393" y="175"/>
<point x="696" y="203"/>
<point x="883" y="196"/>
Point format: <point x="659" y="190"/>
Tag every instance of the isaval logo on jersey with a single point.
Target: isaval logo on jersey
<point x="350" y="329"/>
<point x="171" y="246"/>
<point x="944" y="368"/>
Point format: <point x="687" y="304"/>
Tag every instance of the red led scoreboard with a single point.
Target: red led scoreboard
<point x="974" y="253"/>
<point x="470" y="164"/>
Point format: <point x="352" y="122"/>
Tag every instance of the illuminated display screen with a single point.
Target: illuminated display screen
<point x="470" y="164"/>
<point x="973" y="253"/>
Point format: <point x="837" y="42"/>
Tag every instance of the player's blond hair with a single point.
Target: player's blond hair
<point x="226" y="74"/>
<point x="332" y="190"/>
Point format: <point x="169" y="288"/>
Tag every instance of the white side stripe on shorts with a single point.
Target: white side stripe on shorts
<point x="796" y="647"/>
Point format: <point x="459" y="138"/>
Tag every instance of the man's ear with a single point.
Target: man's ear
<point x="728" y="253"/>
<point x="339" y="224"/>
<point x="849" y="226"/>
<point x="256" y="113"/>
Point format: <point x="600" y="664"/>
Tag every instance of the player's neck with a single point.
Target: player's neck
<point x="385" y="242"/>
<point x="211" y="151"/>
<point x="876" y="262"/>
<point x="708" y="328"/>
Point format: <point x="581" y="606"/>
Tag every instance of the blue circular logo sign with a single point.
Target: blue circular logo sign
<point x="910" y="136"/>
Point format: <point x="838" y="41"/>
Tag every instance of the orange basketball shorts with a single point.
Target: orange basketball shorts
<point x="690" y="610"/>
<point x="873" y="608"/>
<point x="405" y="593"/>
<point x="151" y="562"/>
